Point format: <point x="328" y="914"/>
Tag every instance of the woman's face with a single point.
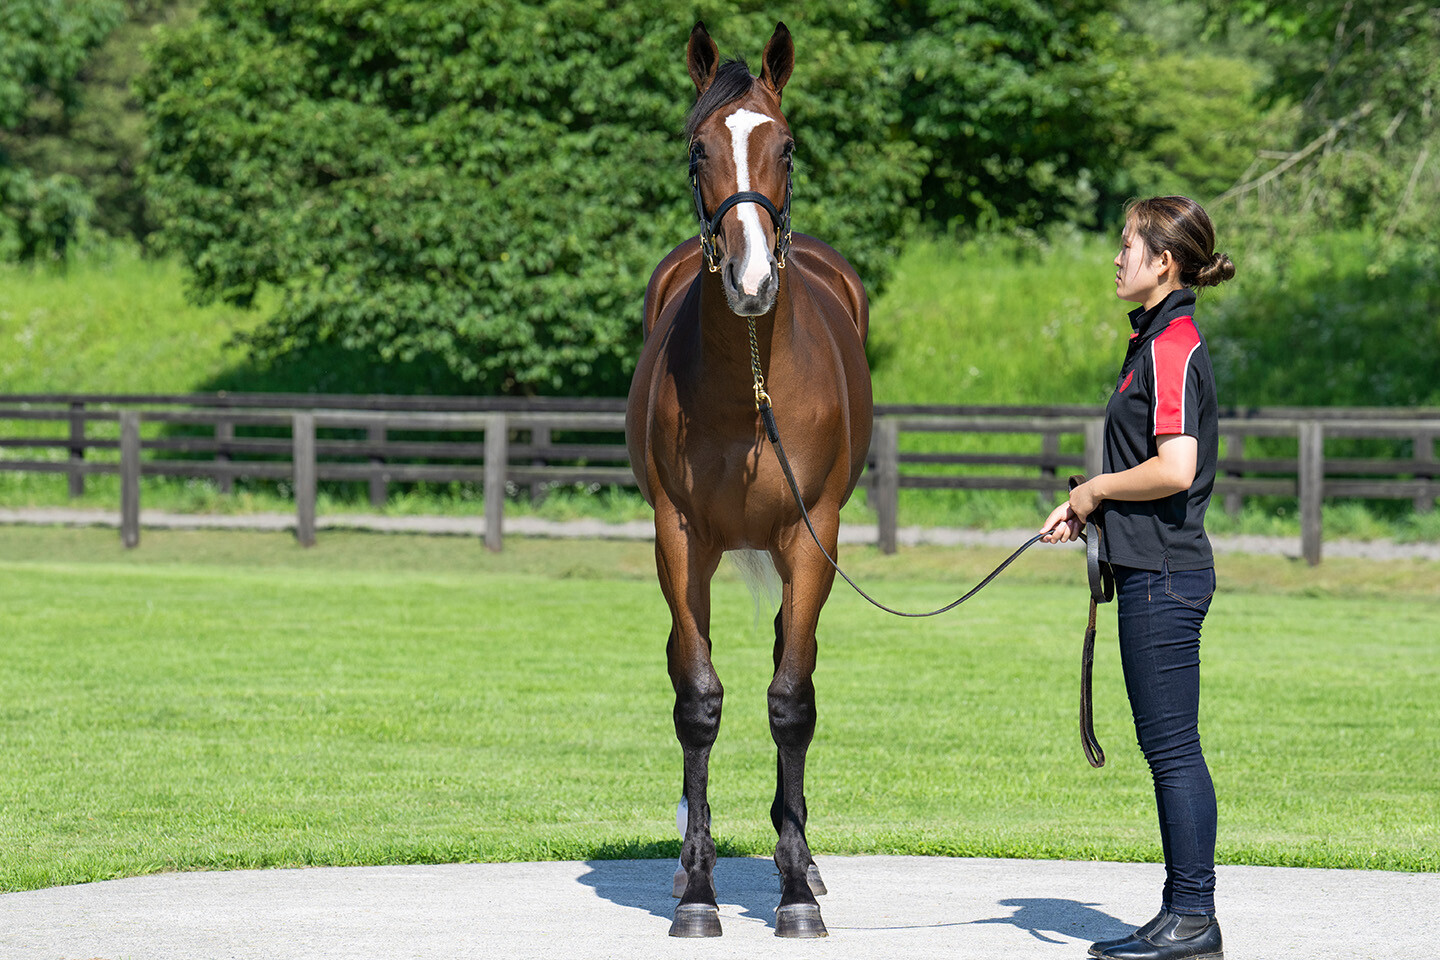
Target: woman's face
<point x="1138" y="278"/>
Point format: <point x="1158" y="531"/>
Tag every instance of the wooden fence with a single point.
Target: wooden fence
<point x="502" y="444"/>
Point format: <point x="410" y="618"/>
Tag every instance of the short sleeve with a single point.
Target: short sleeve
<point x="1177" y="384"/>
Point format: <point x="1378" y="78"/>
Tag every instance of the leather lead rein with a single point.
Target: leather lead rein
<point x="1102" y="590"/>
<point x="1102" y="585"/>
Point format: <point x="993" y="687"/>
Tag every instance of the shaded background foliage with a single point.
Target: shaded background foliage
<point x="44" y="45"/>
<point x="487" y="186"/>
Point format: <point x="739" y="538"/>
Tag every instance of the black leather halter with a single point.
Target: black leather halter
<point x="709" y="226"/>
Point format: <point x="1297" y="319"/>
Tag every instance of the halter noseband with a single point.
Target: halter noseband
<point x="710" y="225"/>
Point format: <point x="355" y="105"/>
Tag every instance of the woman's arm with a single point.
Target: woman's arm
<point x="1170" y="471"/>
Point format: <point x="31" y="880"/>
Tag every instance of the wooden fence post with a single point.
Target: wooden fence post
<point x="130" y="478"/>
<point x="303" y="463"/>
<point x="886" y="443"/>
<point x="495" y="457"/>
<point x="1049" y="451"/>
<point x="1234" y="450"/>
<point x="77" y="449"/>
<point x="379" y="489"/>
<point x="1425" y="457"/>
<point x="224" y="434"/>
<point x="539" y="438"/>
<point x="1094" y="447"/>
<point x="1312" y="488"/>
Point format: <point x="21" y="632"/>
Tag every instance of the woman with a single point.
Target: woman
<point x="1149" y="502"/>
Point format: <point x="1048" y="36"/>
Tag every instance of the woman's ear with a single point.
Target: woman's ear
<point x="1168" y="269"/>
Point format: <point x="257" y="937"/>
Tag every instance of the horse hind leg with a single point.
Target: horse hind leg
<point x="812" y="872"/>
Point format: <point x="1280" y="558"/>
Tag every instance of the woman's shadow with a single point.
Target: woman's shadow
<point x="1038" y="916"/>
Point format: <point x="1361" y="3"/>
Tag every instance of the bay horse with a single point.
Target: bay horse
<point x="742" y="311"/>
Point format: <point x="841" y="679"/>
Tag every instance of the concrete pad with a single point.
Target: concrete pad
<point x="878" y="907"/>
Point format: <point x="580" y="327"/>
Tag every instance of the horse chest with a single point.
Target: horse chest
<point x="723" y="467"/>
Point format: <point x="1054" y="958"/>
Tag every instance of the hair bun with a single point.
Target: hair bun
<point x="1217" y="271"/>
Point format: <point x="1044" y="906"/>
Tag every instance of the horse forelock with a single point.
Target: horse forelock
<point x="732" y="81"/>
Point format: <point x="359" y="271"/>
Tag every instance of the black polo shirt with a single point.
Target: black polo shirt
<point x="1165" y="386"/>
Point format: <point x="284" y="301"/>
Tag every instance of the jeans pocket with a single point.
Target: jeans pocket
<point x="1193" y="588"/>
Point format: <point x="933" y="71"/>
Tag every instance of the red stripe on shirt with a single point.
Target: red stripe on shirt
<point x="1170" y="355"/>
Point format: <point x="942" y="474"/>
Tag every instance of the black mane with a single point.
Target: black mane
<point x="732" y="81"/>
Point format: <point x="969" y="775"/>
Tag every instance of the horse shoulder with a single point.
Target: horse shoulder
<point x="672" y="277"/>
<point x="824" y="264"/>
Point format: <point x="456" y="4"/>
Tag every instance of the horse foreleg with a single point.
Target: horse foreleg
<point x="808" y="578"/>
<point x="685" y="572"/>
<point x="777" y="807"/>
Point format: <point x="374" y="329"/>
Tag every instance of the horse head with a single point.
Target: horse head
<point x="740" y="163"/>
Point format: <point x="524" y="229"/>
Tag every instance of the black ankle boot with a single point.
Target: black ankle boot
<point x="1180" y="937"/>
<point x="1150" y="927"/>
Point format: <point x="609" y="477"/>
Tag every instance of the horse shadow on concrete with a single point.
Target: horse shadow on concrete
<point x="1071" y="919"/>
<point x="751" y="883"/>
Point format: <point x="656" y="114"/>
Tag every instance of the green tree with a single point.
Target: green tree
<point x="1019" y="105"/>
<point x="1365" y="78"/>
<point x="486" y="187"/>
<point x="43" y="47"/>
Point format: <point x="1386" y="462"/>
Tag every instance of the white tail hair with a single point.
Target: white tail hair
<point x="757" y="569"/>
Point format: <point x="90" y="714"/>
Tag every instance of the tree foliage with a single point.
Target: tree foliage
<point x="1364" y="76"/>
<point x="489" y="185"/>
<point x="43" y="46"/>
<point x="1019" y="105"/>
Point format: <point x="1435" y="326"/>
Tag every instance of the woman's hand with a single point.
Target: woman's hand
<point x="1062" y="525"/>
<point x="1066" y="521"/>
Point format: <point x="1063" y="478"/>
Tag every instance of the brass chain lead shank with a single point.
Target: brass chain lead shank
<point x="761" y="397"/>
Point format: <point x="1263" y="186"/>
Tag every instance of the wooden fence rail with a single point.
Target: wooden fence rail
<point x="502" y="444"/>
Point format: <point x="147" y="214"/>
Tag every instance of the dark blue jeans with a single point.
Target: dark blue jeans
<point x="1160" y="617"/>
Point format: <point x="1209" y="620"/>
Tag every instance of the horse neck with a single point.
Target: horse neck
<point x="725" y="336"/>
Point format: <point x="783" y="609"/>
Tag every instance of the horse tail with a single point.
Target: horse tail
<point x="757" y="569"/>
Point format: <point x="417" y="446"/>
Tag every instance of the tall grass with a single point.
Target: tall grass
<point x="112" y="323"/>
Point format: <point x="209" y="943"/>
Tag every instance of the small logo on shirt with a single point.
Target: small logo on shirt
<point x="1128" y="377"/>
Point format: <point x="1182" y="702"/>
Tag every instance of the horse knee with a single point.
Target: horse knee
<point x="697" y="710"/>
<point x="792" y="712"/>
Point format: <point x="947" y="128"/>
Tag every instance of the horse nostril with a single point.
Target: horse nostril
<point x="769" y="284"/>
<point x="732" y="278"/>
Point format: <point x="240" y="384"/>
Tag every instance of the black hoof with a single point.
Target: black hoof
<point x="677" y="888"/>
<point x="812" y="877"/>
<point x="800" y="920"/>
<point x="696" y="920"/>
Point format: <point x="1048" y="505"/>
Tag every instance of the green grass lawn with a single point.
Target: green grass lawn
<point x="218" y="700"/>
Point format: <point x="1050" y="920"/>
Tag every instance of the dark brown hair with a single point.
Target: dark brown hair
<point x="1180" y="225"/>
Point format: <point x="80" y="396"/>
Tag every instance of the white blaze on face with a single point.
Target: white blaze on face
<point x="756" y="266"/>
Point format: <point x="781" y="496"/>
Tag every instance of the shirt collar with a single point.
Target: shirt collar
<point x="1147" y="323"/>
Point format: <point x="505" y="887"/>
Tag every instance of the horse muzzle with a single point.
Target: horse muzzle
<point x="744" y="302"/>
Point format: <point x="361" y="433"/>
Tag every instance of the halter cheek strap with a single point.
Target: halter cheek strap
<point x="710" y="226"/>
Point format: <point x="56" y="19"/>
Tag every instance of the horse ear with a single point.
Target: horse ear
<point x="778" y="59"/>
<point x="702" y="56"/>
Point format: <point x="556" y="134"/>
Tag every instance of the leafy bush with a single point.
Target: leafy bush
<point x="43" y="46"/>
<point x="490" y="185"/>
